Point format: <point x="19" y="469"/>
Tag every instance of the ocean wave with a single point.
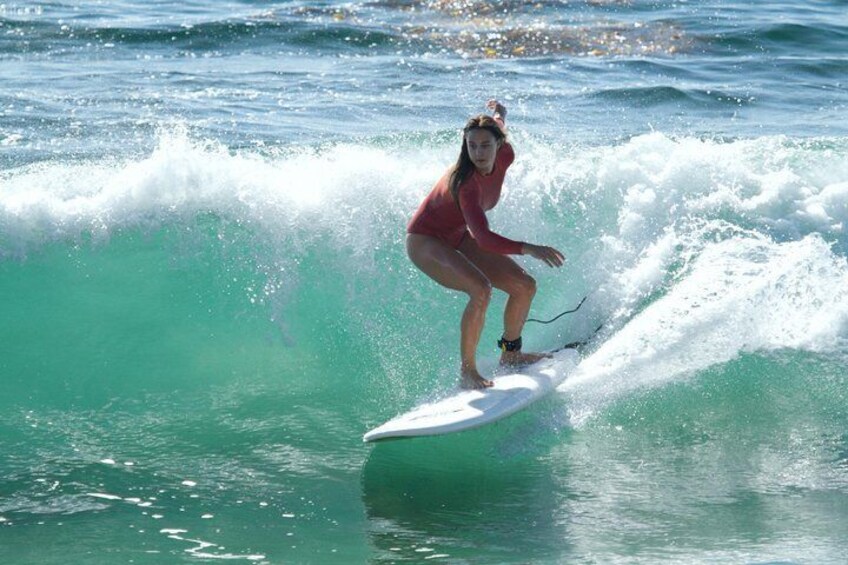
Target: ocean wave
<point x="799" y="34"/>
<point x="184" y="177"/>
<point x="648" y="96"/>
<point x="682" y="242"/>
<point x="742" y="295"/>
<point x="782" y="187"/>
<point x="35" y="37"/>
<point x="785" y="37"/>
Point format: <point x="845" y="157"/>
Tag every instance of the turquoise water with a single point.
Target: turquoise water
<point x="206" y="300"/>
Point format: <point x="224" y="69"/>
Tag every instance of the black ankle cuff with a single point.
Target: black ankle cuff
<point x="507" y="345"/>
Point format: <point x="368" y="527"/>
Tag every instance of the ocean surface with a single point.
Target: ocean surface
<point x="205" y="299"/>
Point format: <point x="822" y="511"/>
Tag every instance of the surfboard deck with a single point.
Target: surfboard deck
<point x="470" y="409"/>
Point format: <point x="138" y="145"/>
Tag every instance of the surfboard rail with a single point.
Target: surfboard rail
<point x="469" y="409"/>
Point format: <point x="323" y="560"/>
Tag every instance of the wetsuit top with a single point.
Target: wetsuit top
<point x="439" y="216"/>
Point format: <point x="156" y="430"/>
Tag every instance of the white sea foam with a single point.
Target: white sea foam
<point x="341" y="190"/>
<point x="104" y="496"/>
<point x="745" y="294"/>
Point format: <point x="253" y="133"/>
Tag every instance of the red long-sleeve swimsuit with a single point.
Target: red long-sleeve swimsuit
<point x="439" y="216"/>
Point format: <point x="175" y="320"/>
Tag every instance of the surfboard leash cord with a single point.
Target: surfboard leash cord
<point x="554" y="319"/>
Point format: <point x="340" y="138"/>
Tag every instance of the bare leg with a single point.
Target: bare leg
<point x="473" y="319"/>
<point x="453" y="270"/>
<point x="508" y="276"/>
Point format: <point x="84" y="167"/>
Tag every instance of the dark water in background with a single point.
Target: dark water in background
<point x="205" y="299"/>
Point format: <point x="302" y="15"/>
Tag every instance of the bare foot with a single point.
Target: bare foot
<point x="472" y="380"/>
<point x="521" y="359"/>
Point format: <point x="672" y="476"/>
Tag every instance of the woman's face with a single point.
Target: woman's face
<point x="482" y="148"/>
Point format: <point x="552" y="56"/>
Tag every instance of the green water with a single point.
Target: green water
<point x="222" y="422"/>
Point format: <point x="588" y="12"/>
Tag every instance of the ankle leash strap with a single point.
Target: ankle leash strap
<point x="507" y="345"/>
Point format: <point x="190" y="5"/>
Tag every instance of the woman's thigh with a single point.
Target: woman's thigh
<point x="502" y="270"/>
<point x="445" y="265"/>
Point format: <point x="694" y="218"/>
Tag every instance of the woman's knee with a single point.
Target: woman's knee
<point x="480" y="291"/>
<point x="524" y="286"/>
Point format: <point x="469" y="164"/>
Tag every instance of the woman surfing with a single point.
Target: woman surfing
<point x="449" y="239"/>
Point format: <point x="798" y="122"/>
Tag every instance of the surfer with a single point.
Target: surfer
<point x="449" y="239"/>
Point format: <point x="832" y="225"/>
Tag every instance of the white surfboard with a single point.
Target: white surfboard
<point x="474" y="408"/>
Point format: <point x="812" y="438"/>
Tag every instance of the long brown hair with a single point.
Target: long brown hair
<point x="464" y="166"/>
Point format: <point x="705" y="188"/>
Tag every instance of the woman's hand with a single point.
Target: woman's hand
<point x="552" y="257"/>
<point x="497" y="108"/>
